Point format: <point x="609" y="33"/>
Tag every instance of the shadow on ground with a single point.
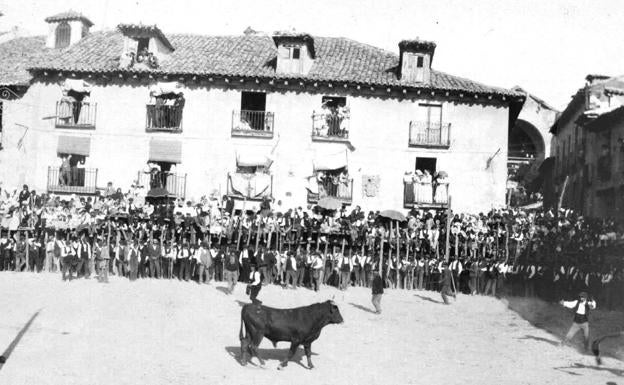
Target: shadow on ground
<point x="268" y="355"/>
<point x="363" y="308"/>
<point x="556" y="320"/>
<point x="428" y="299"/>
<point x="579" y="366"/>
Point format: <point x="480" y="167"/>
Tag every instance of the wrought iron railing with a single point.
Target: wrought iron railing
<point x="250" y="186"/>
<point x="75" y="180"/>
<point x="75" y="114"/>
<point x="330" y="126"/>
<point x="252" y="123"/>
<point x="426" y="194"/>
<point x="340" y="190"/>
<point x="429" y="134"/>
<point x="174" y="183"/>
<point x="164" y="118"/>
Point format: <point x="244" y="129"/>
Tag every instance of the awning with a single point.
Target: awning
<point x="162" y="150"/>
<point x="253" y="158"/>
<point x="333" y="161"/>
<point x="77" y="85"/>
<point x="247" y="205"/>
<point x="75" y="145"/>
<point x="162" y="88"/>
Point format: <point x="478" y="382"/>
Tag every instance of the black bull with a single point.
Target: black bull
<point x="299" y="326"/>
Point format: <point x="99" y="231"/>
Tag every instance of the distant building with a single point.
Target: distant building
<point x="575" y="147"/>
<point x="605" y="156"/>
<point x="290" y="116"/>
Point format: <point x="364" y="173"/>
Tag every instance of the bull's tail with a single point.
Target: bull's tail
<point x="241" y="336"/>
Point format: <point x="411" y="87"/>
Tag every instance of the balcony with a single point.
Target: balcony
<point x="429" y="134"/>
<point x="330" y="126"/>
<point x="257" y="124"/>
<point x="73" y="181"/>
<point x="174" y="183"/>
<point x="165" y="118"/>
<point x="425" y="195"/>
<point x="340" y="191"/>
<point x="75" y="115"/>
<point x="250" y="186"/>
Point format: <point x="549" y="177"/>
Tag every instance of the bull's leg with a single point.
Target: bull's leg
<point x="253" y="346"/>
<point x="245" y="350"/>
<point x="291" y="353"/>
<point x="308" y="352"/>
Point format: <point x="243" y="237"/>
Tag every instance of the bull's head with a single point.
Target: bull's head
<point x="334" y="313"/>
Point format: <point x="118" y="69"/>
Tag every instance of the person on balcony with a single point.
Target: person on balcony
<point x="418" y="187"/>
<point x="65" y="177"/>
<point x="427" y="189"/>
<point x="343" y="185"/>
<point x="441" y="191"/>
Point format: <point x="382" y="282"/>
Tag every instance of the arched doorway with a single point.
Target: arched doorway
<point x="525" y="142"/>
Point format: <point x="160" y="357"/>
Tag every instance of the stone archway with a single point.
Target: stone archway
<point x="525" y="142"/>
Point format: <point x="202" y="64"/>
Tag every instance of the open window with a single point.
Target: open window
<point x="332" y="121"/>
<point x="252" y="115"/>
<point x="426" y="164"/>
<point x="164" y="110"/>
<point x="62" y="35"/>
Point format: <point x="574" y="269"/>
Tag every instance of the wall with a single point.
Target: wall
<point x="379" y="131"/>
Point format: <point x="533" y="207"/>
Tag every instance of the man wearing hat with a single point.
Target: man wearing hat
<point x="581" y="307"/>
<point x="154" y="252"/>
<point x="446" y="280"/>
<point x="204" y="261"/>
<point x="255" y="283"/>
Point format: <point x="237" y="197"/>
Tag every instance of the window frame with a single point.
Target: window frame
<point x="62" y="35"/>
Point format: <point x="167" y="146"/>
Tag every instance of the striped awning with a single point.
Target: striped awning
<point x="75" y="145"/>
<point x="163" y="150"/>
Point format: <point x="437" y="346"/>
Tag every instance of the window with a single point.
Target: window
<point x="296" y="52"/>
<point x="143" y="44"/>
<point x="253" y="101"/>
<point x="428" y="164"/>
<point x="63" y="33"/>
<point x="334" y="101"/>
<point x="433" y="115"/>
<point x="420" y="62"/>
<point x="252" y="114"/>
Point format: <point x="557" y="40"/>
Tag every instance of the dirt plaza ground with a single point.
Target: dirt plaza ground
<point x="170" y="332"/>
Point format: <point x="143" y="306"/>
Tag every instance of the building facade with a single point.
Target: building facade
<point x="290" y="116"/>
<point x="574" y="148"/>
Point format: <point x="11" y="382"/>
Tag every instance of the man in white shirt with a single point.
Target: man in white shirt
<point x="581" y="307"/>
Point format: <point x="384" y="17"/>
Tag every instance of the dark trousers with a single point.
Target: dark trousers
<point x="66" y="268"/>
<point x="183" y="269"/>
<point x="154" y="268"/>
<point x="255" y="290"/>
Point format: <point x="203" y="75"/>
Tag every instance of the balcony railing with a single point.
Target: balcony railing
<point x="341" y="191"/>
<point x="330" y="126"/>
<point x="164" y="118"/>
<point x="174" y="183"/>
<point x="250" y="186"/>
<point x="252" y="123"/>
<point x="425" y="194"/>
<point x="75" y="180"/>
<point x="75" y="114"/>
<point x="429" y="134"/>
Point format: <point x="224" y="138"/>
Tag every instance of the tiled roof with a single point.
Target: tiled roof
<point x="69" y="15"/>
<point x="16" y="56"/>
<point x="337" y="59"/>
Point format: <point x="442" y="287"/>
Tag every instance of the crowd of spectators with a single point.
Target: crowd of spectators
<point x="505" y="251"/>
